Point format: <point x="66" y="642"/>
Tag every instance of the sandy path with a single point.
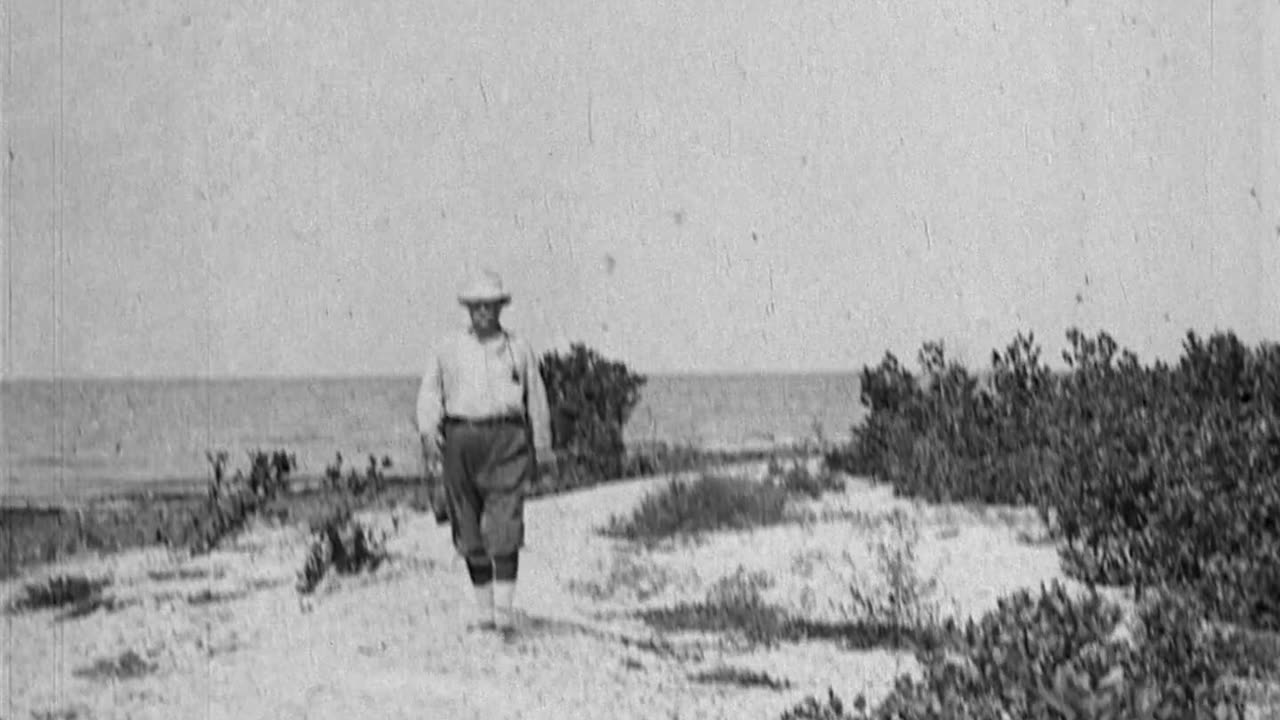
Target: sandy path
<point x="394" y="644"/>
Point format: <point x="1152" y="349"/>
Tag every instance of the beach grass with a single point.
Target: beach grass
<point x="40" y="534"/>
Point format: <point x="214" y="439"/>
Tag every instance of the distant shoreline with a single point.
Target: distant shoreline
<point x="106" y="492"/>
<point x="43" y="530"/>
<point x="396" y="377"/>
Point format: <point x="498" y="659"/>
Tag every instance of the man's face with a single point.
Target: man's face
<point x="484" y="316"/>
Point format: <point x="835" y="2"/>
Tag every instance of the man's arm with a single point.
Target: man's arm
<point x="536" y="404"/>
<point x="431" y="405"/>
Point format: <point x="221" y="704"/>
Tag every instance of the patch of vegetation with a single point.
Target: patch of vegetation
<point x="1053" y="655"/>
<point x="1163" y="478"/>
<point x="712" y="502"/>
<point x="895" y="608"/>
<point x="591" y="398"/>
<point x="829" y="708"/>
<point x="739" y="677"/>
<point x="666" y="458"/>
<point x="798" y="479"/>
<point x="179" y="574"/>
<point x="905" y="602"/>
<point x="355" y="483"/>
<point x="89" y="607"/>
<point x="231" y="502"/>
<point x="1149" y="476"/>
<point x="129" y="665"/>
<point x="627" y="574"/>
<point x="733" y="606"/>
<point x="60" y="591"/>
<point x="342" y="544"/>
<point x="715" y="502"/>
<point x="208" y="596"/>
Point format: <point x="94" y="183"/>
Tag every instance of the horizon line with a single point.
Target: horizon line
<point x="387" y="375"/>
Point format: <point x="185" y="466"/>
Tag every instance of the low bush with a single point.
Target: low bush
<point x="342" y="544"/>
<point x="829" y="708"/>
<point x="797" y="479"/>
<point x="231" y="502"/>
<point x="129" y="665"/>
<point x="60" y="591"/>
<point x="903" y="609"/>
<point x="733" y="606"/>
<point x="1051" y="656"/>
<point x="722" y="502"/>
<point x="354" y="482"/>
<point x="712" y="502"/>
<point x="738" y="677"/>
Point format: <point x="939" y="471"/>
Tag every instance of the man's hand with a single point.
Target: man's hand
<point x="432" y="454"/>
<point x="433" y="473"/>
<point x="548" y="463"/>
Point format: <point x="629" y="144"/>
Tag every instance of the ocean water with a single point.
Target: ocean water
<point x="75" y="438"/>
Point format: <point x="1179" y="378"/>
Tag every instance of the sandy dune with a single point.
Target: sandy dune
<point x="233" y="640"/>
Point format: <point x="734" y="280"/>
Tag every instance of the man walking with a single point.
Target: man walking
<point x="483" y="414"/>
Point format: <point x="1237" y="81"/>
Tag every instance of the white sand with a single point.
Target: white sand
<point x="394" y="644"/>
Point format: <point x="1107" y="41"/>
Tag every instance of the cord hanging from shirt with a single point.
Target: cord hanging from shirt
<point x="515" y="371"/>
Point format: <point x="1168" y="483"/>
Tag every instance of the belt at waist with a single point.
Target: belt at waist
<point x="485" y="421"/>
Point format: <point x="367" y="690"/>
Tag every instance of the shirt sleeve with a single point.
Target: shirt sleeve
<point x="536" y="404"/>
<point x="431" y="401"/>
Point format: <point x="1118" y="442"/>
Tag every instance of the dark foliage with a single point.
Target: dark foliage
<point x="59" y="592"/>
<point x="1159" y="475"/>
<point x="341" y="544"/>
<point x="1052" y="656"/>
<point x="591" y="399"/>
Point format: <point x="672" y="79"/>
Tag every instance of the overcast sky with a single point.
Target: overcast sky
<point x="300" y="188"/>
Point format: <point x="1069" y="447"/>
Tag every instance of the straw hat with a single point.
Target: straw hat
<point x="485" y="287"/>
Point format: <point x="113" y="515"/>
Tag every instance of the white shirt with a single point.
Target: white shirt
<point x="468" y="378"/>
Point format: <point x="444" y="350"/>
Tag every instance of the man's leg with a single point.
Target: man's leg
<point x="505" y="568"/>
<point x="466" y="505"/>
<point x="503" y="481"/>
<point x="482" y="584"/>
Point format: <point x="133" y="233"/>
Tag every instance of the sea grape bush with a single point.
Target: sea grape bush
<point x="591" y="398"/>
<point x="1058" y="656"/>
<point x="1055" y="655"/>
<point x="1150" y="475"/>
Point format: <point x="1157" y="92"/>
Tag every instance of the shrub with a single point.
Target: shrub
<point x="591" y="399"/>
<point x="734" y="605"/>
<point x="354" y="483"/>
<point x="128" y="666"/>
<point x="342" y="544"/>
<point x="60" y="591"/>
<point x="799" y="480"/>
<point x="1053" y="656"/>
<point x="830" y="708"/>
<point x="906" y="605"/>
<point x="712" y="502"/>
<point x="660" y="458"/>
<point x="1149" y="475"/>
<point x="230" y="503"/>
<point x="738" y="677"/>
